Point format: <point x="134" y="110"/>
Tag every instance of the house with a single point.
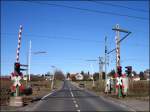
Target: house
<point x="91" y="77"/>
<point x="72" y="77"/>
<point x="79" y="77"/>
<point x="136" y="78"/>
<point x="49" y="77"/>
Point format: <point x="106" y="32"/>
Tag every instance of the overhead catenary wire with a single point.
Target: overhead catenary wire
<point x="121" y="6"/>
<point x="89" y="10"/>
<point x="69" y="38"/>
<point x="56" y="37"/>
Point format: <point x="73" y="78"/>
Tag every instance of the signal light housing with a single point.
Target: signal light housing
<point x="128" y="70"/>
<point x="119" y="70"/>
<point x="17" y="67"/>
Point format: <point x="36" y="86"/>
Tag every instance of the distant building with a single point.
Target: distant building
<point x="72" y="77"/>
<point x="136" y="78"/>
<point x="91" y="77"/>
<point x="48" y="77"/>
<point x="79" y="77"/>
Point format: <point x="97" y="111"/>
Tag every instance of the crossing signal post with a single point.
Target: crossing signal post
<point x="119" y="84"/>
<point x="16" y="77"/>
<point x="119" y="71"/>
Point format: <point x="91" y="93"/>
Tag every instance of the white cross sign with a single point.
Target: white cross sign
<point x="16" y="80"/>
<point x="119" y="80"/>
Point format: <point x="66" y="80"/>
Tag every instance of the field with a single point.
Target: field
<point x="136" y="88"/>
<point x="4" y="91"/>
<point x="139" y="88"/>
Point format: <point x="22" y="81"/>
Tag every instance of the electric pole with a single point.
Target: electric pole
<point x="118" y="40"/>
<point x="93" y="84"/>
<point x="99" y="71"/>
<point x="101" y="63"/>
<point x="117" y="47"/>
<point x="52" y="84"/>
<point x="105" y="58"/>
<point x="29" y="59"/>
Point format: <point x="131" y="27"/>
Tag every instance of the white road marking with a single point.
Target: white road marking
<point x="73" y="98"/>
<point x="46" y="95"/>
<point x="72" y="94"/>
<point x="76" y="105"/>
<point x="74" y="101"/>
<point x="52" y="92"/>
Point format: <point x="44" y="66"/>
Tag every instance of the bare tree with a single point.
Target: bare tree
<point x="59" y="75"/>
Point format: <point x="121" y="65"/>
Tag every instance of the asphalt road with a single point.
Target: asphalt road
<point x="72" y="98"/>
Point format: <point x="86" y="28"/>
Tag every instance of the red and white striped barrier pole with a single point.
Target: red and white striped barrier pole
<point x="19" y="43"/>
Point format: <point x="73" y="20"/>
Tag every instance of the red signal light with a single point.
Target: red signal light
<point x="17" y="67"/>
<point x="119" y="67"/>
<point x="17" y="64"/>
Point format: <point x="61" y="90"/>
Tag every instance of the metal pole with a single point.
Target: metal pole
<point x="52" y="82"/>
<point x="105" y="58"/>
<point x="27" y="69"/>
<point x="100" y="74"/>
<point x="99" y="70"/>
<point x="93" y="76"/>
<point x="29" y="60"/>
<point x="52" y="85"/>
<point x="100" y="67"/>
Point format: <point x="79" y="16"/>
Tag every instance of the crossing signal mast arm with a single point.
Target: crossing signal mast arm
<point x="40" y="52"/>
<point x="121" y="30"/>
<point x="111" y="51"/>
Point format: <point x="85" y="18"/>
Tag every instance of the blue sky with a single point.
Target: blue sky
<point x="54" y="30"/>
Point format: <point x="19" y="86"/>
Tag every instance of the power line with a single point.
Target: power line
<point x="134" y="59"/>
<point x="111" y="51"/>
<point x="74" y="39"/>
<point x="56" y="37"/>
<point x="121" y="6"/>
<point x="90" y="10"/>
